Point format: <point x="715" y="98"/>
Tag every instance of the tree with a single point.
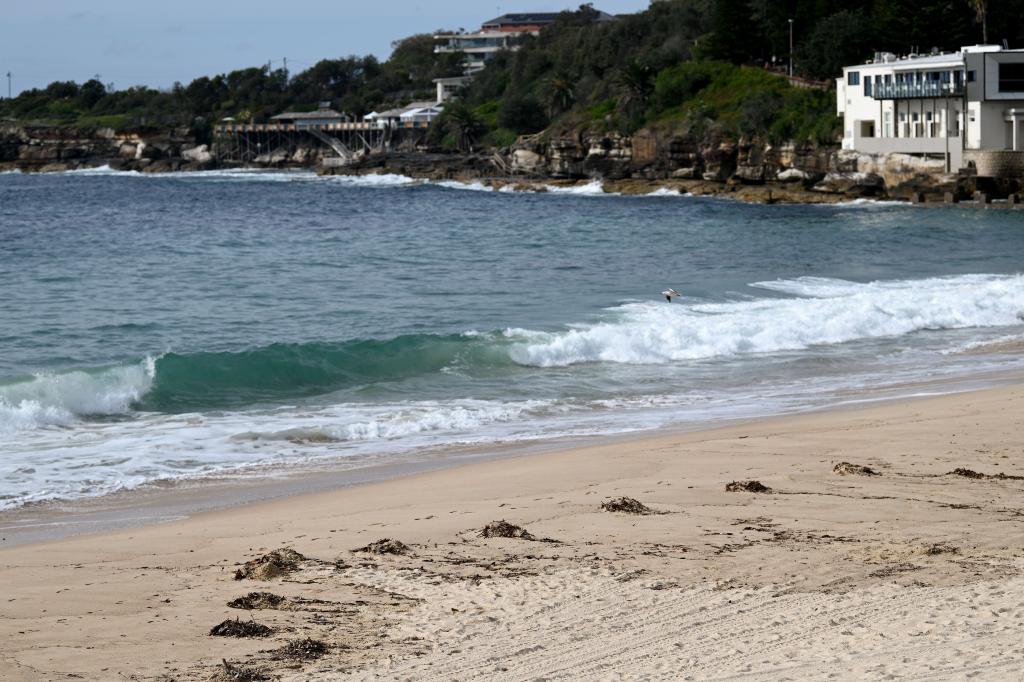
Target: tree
<point x="980" y="8"/>
<point x="91" y="92"/>
<point x="461" y="123"/>
<point x="734" y="37"/>
<point x="522" y="114"/>
<point x="636" y="81"/>
<point x="840" y="40"/>
<point x="560" y="94"/>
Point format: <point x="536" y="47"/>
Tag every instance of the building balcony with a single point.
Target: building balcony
<point x="927" y="90"/>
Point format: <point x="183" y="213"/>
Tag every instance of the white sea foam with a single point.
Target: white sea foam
<point x="475" y="186"/>
<point x="60" y="399"/>
<point x="1013" y="342"/>
<point x="349" y="423"/>
<point x="865" y="203"/>
<point x="826" y="312"/>
<point x="374" y="180"/>
<point x="100" y="170"/>
<point x="667" y="192"/>
<point x="592" y="188"/>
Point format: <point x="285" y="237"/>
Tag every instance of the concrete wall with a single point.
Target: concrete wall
<point x="996" y="164"/>
<point x="934" y="146"/>
<point x="992" y="61"/>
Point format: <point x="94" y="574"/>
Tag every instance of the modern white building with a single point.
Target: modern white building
<point x="966" y="106"/>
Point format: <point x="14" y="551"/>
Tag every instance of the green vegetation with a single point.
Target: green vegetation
<point x="715" y="68"/>
<point x="700" y="68"/>
<point x="355" y="85"/>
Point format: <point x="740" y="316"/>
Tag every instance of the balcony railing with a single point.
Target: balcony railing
<point x="917" y="90"/>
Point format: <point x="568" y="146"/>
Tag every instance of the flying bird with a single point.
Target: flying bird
<point x="669" y="293"/>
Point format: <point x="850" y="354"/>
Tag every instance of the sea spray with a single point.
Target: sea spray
<point x="826" y="312"/>
<point x="59" y="398"/>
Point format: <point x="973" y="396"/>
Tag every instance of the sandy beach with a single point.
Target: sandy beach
<point x="899" y="570"/>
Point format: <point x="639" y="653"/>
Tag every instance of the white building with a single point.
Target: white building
<point x="477" y="47"/>
<point x="414" y="114"/>
<point x="966" y="106"/>
<point x="501" y="33"/>
<point x="421" y="112"/>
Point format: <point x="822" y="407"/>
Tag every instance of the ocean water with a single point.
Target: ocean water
<point x="174" y="327"/>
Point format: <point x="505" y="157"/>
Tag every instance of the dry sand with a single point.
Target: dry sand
<point x="911" y="573"/>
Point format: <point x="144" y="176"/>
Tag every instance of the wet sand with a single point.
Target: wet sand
<point x="907" y="570"/>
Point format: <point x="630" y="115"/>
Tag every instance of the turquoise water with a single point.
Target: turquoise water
<point x="180" y="326"/>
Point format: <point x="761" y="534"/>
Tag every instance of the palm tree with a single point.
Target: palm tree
<point x="981" y="15"/>
<point x="561" y="94"/>
<point x="636" y="81"/>
<point x="463" y="124"/>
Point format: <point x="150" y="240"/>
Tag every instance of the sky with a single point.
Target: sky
<point x="133" y="42"/>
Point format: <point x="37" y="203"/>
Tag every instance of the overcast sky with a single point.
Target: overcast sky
<point x="132" y="42"/>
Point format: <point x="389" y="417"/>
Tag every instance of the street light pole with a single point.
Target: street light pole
<point x="791" y="48"/>
<point x="8" y="85"/>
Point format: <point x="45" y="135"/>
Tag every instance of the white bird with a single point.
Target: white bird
<point x="669" y="293"/>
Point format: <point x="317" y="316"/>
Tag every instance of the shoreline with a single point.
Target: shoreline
<point x="819" y="556"/>
<point x="766" y="193"/>
<point x="177" y="499"/>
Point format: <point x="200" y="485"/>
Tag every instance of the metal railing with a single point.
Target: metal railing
<point x="917" y="90"/>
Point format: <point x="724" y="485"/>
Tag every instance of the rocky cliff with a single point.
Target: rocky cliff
<point x="51" y="148"/>
<point x="783" y="172"/>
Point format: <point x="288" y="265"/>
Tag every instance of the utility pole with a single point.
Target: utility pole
<point x="8" y="85"/>
<point x="286" y="69"/>
<point x="790" y="48"/>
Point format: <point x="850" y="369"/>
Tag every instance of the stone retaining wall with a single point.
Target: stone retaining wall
<point x="996" y="163"/>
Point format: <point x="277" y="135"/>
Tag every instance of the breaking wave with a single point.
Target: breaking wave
<point x="817" y="311"/>
<point x="802" y="313"/>
<point x="58" y="399"/>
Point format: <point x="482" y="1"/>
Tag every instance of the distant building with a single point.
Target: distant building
<point x="449" y="87"/>
<point x="966" y="107"/>
<point x="501" y="33"/>
<point x="302" y="119"/>
<point x="531" y="22"/>
<point x="412" y="114"/>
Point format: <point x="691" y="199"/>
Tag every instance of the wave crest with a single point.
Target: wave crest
<point x="822" y="311"/>
<point x="58" y="399"/>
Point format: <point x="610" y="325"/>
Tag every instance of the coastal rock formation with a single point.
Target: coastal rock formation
<point x="653" y="155"/>
<point x="750" y="168"/>
<point x="428" y="165"/>
<point x="39" y="148"/>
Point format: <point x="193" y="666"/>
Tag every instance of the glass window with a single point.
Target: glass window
<point x="970" y="76"/>
<point x="1011" y="77"/>
<point x="867" y="87"/>
<point x="853" y="77"/>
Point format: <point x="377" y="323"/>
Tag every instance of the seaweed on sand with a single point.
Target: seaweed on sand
<point x="504" y="529"/>
<point x="747" y="487"/>
<point x="240" y="628"/>
<point x="301" y="650"/>
<point x="850" y="469"/>
<point x="626" y="505"/>
<point x="385" y="546"/>
<point x="257" y="600"/>
<point x="270" y="565"/>
<point x="238" y="673"/>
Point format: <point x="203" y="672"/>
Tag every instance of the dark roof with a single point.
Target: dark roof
<point x="532" y="18"/>
<point x="527" y="18"/>
<point x="303" y="115"/>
